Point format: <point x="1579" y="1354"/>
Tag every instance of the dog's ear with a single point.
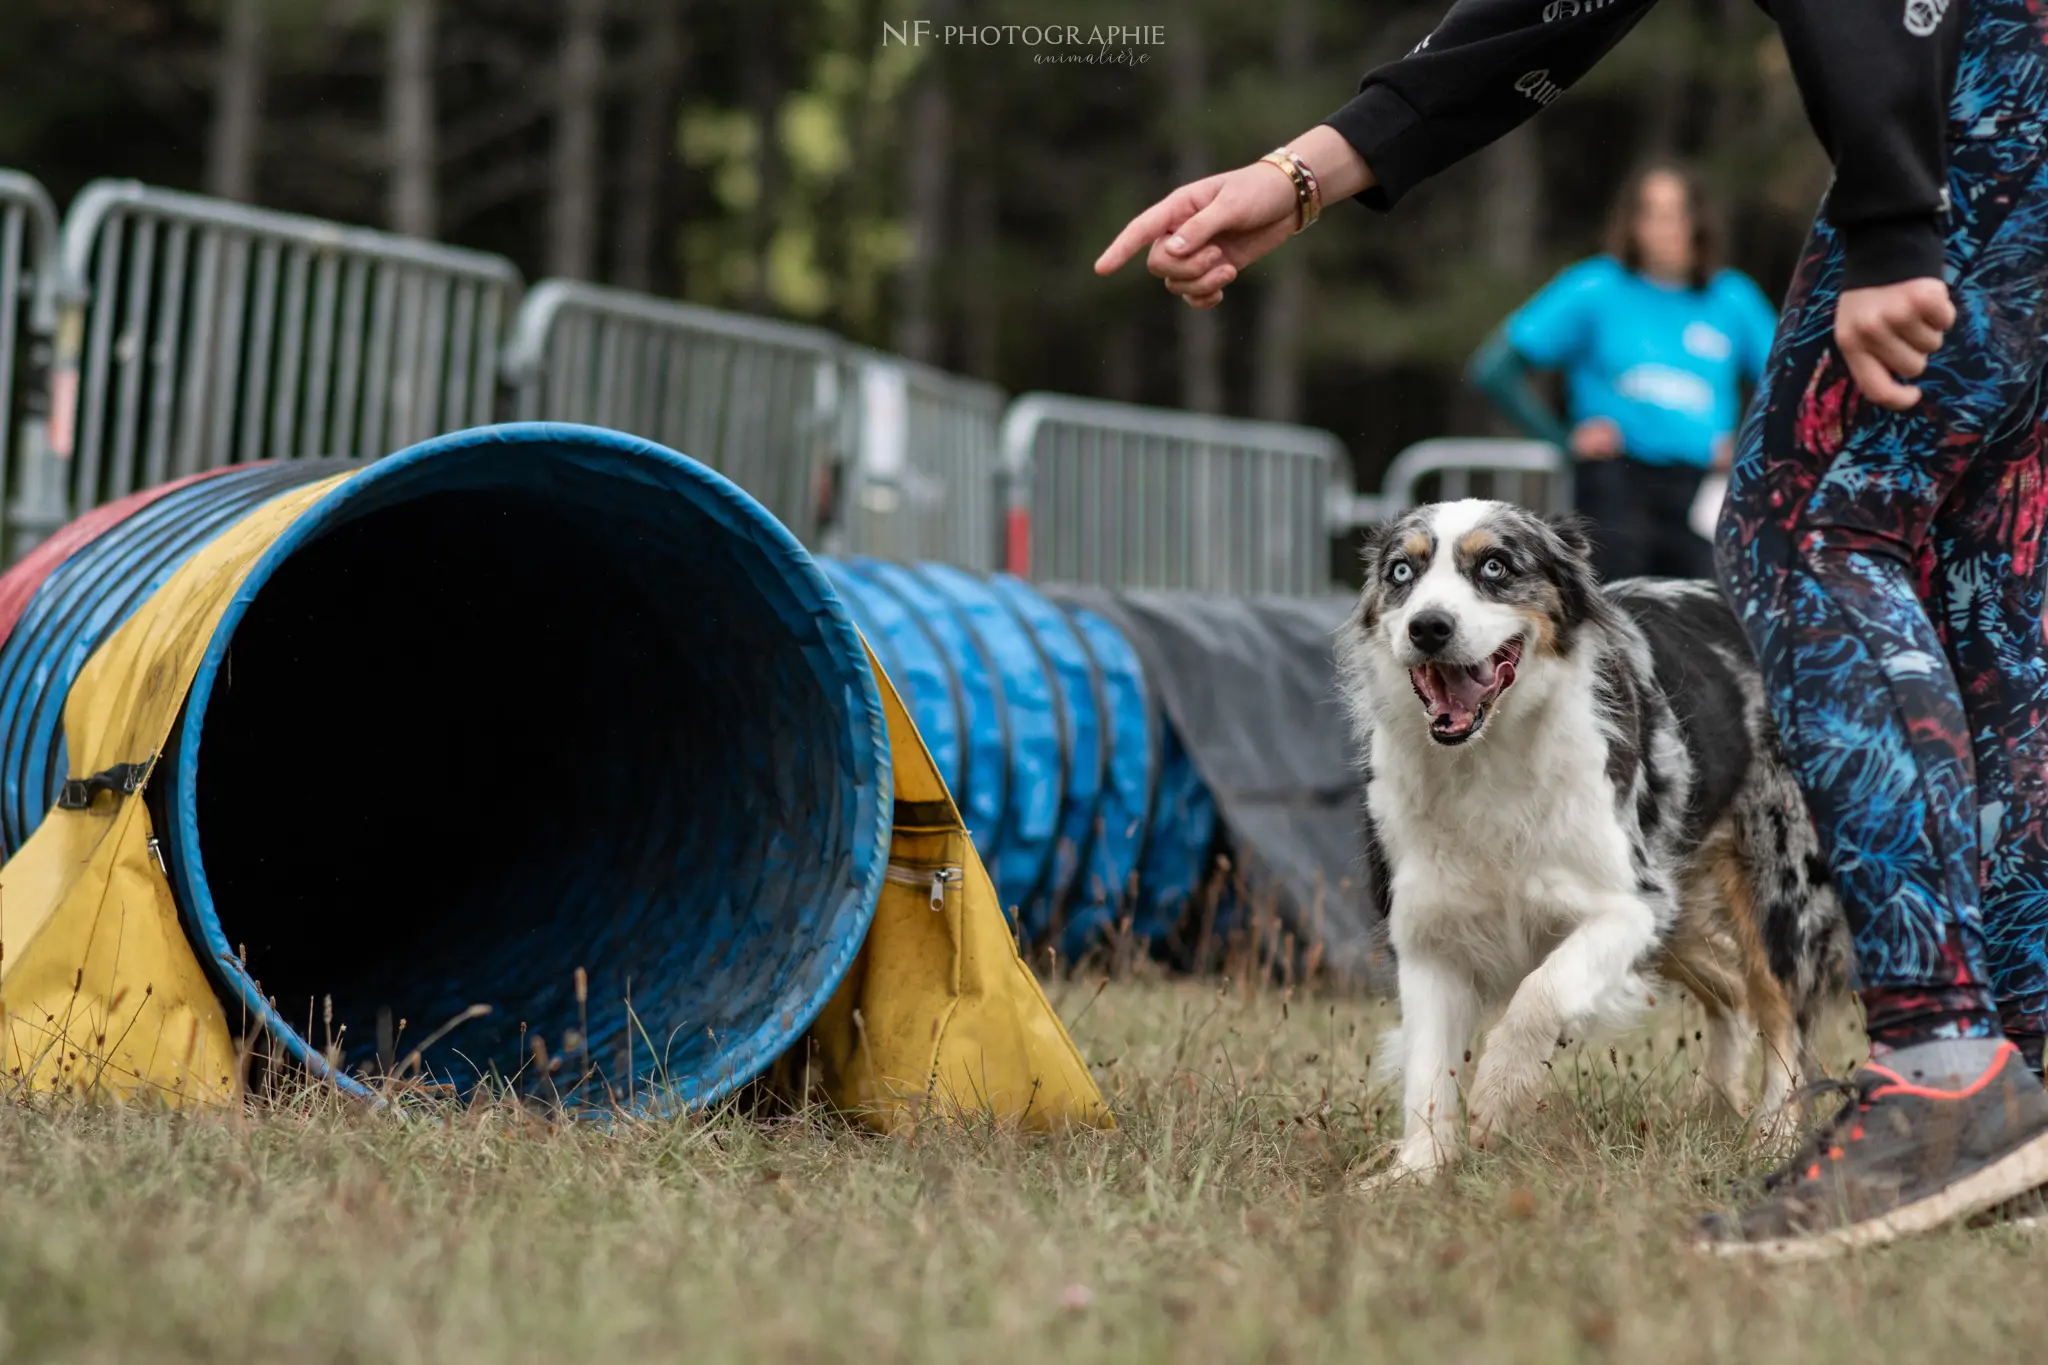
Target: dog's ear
<point x="1578" y="582"/>
<point x="1372" y="540"/>
<point x="1574" y="530"/>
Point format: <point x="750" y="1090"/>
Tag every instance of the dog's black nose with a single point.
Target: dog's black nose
<point x="1431" y="630"/>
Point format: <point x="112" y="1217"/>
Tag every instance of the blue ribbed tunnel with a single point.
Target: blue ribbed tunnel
<point x="1082" y="802"/>
<point x="512" y="703"/>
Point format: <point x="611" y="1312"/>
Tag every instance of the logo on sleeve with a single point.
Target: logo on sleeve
<point x="1538" y="86"/>
<point x="1571" y="9"/>
<point x="1924" y="16"/>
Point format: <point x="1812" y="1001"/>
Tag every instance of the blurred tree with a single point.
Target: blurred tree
<point x="764" y="57"/>
<point x="238" y="103"/>
<point x="409" y="118"/>
<point x="928" y="188"/>
<point x="575" y="174"/>
<point x="809" y="181"/>
<point x="654" y="73"/>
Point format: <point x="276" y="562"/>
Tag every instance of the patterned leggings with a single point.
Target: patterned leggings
<point x="1887" y="569"/>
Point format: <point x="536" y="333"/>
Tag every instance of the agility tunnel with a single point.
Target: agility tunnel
<point x="1046" y="731"/>
<point x="1113" y="751"/>
<point x="1246" y="689"/>
<point x="535" y="755"/>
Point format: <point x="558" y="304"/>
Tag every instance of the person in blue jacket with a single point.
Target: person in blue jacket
<point x="1654" y="340"/>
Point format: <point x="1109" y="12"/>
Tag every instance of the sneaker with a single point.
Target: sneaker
<point x="1898" y="1158"/>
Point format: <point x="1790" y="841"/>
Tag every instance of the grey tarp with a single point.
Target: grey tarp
<point x="1249" y="685"/>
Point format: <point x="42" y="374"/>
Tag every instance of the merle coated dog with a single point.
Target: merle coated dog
<point x="1573" y="793"/>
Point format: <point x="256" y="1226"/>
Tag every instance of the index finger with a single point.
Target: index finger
<point x="1147" y="228"/>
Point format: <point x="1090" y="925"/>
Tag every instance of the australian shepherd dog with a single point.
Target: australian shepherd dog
<point x="1574" y="796"/>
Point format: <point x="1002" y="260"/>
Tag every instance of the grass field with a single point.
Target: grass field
<point x="1217" y="1223"/>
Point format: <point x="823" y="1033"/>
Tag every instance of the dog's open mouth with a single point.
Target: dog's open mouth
<point x="1457" y="696"/>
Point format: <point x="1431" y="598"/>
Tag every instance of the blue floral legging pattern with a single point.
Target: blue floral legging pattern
<point x="1887" y="569"/>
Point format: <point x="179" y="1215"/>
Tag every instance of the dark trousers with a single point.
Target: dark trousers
<point x="1638" y="512"/>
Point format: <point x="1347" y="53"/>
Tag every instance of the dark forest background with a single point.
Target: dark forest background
<point x="944" y="201"/>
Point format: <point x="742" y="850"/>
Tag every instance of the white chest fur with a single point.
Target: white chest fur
<point x="1499" y="851"/>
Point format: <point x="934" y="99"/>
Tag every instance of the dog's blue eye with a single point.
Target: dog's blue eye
<point x="1494" y="570"/>
<point x="1401" y="572"/>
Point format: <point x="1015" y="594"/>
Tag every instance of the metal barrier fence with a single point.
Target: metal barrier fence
<point x="926" y="474"/>
<point x="1535" y="474"/>
<point x="758" y="401"/>
<point x="1127" y="496"/>
<point x="28" y="322"/>
<point x="197" y="333"/>
<point x="191" y="333"/>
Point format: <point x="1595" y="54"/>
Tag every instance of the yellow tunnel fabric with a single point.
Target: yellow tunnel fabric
<point x="102" y="994"/>
<point x="939" y="1016"/>
<point x="101" y="991"/>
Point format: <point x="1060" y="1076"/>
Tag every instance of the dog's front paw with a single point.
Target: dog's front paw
<point x="1731" y="1093"/>
<point x="1505" y="1088"/>
<point x="1417" y="1160"/>
<point x="1772" y="1125"/>
<point x="1379" y="1182"/>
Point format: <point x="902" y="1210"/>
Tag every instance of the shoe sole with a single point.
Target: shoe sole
<point x="2022" y="1169"/>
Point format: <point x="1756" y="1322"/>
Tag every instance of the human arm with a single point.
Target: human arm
<point x="1484" y="70"/>
<point x="1503" y="376"/>
<point x="1206" y="231"/>
<point x="1556" y="328"/>
<point x="1877" y="92"/>
<point x="1876" y="88"/>
<point x="1468" y="83"/>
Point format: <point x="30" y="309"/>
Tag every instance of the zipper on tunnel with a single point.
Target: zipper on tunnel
<point x="933" y="879"/>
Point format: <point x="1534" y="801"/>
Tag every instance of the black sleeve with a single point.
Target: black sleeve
<point x="1488" y="66"/>
<point x="1876" y="89"/>
<point x="1876" y="85"/>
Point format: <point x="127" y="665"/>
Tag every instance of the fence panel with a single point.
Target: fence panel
<point x="1125" y="496"/>
<point x="28" y="326"/>
<point x="926" y="477"/>
<point x="1535" y="474"/>
<point x="761" y="402"/>
<point x="197" y="333"/>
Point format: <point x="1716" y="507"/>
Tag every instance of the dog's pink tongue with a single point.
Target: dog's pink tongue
<point x="1454" y="695"/>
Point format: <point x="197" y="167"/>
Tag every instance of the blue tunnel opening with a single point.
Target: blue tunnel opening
<point x="513" y="703"/>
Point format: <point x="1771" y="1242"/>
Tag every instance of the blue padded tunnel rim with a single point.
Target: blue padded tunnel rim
<point x="725" y="501"/>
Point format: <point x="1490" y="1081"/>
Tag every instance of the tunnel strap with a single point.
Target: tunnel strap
<point x="123" y="779"/>
<point x="925" y="814"/>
